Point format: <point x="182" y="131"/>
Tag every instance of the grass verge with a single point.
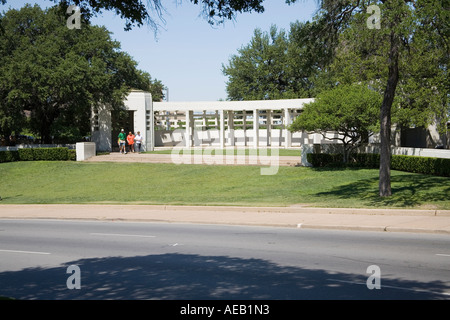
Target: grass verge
<point x="146" y="183"/>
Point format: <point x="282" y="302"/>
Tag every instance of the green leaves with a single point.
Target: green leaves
<point x="277" y="64"/>
<point x="345" y="109"/>
<point x="257" y="73"/>
<point x="57" y="74"/>
<point x="350" y="110"/>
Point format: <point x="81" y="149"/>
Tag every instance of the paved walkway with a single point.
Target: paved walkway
<point x="386" y="220"/>
<point x="199" y="159"/>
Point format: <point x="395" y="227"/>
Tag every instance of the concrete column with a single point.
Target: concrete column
<point x="221" y="128"/>
<point x="101" y="128"/>
<point x="175" y="119"/>
<point x="148" y="125"/>
<point x="231" y="128"/>
<point x="204" y="120"/>
<point x="244" y="126"/>
<point x="216" y="119"/>
<point x="269" y="127"/>
<point x="287" y="133"/>
<point x="255" y="128"/>
<point x="189" y="128"/>
<point x="167" y="120"/>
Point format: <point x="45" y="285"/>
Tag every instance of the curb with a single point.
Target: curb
<point x="374" y="229"/>
<point x="310" y="210"/>
<point x="256" y="224"/>
<point x="377" y="220"/>
<point x="299" y="209"/>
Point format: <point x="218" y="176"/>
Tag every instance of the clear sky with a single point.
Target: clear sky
<point x="187" y="54"/>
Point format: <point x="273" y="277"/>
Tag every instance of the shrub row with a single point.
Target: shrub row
<point x="319" y="160"/>
<point x="36" y="154"/>
<point x="425" y="165"/>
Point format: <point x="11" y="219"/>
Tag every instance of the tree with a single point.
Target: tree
<point x="260" y="71"/>
<point x="350" y="110"/>
<point x="408" y="29"/>
<point x="157" y="90"/>
<point x="150" y="12"/>
<point x="58" y="74"/>
<point x="278" y="65"/>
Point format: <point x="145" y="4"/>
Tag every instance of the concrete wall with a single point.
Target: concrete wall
<point x="85" y="150"/>
<point x="101" y="127"/>
<point x="418" y="152"/>
<point x="224" y="117"/>
<point x="141" y="104"/>
<point x="211" y="137"/>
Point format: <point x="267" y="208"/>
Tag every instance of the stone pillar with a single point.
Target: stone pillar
<point x="204" y="120"/>
<point x="101" y="128"/>
<point x="189" y="128"/>
<point x="144" y="122"/>
<point x="255" y="128"/>
<point x="231" y="128"/>
<point x="222" y="128"/>
<point x="287" y="133"/>
<point x="269" y="127"/>
<point x="244" y="125"/>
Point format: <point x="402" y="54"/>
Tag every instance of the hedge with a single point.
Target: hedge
<point x="325" y="159"/>
<point x="9" y="156"/>
<point x="72" y="154"/>
<point x="37" y="154"/>
<point x="50" y="154"/>
<point x="26" y="154"/>
<point x="425" y="165"/>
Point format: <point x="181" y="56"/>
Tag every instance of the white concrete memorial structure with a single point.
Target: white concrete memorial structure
<point x="138" y="102"/>
<point x="220" y="124"/>
<point x="262" y="123"/>
<point x="204" y="123"/>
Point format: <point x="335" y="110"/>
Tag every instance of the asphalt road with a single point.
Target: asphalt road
<point x="125" y="260"/>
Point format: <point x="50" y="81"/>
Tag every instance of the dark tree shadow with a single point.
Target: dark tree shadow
<point x="408" y="190"/>
<point x="192" y="277"/>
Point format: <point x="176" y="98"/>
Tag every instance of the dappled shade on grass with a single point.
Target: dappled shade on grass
<point x="408" y="190"/>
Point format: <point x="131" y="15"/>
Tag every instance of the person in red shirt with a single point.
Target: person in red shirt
<point x="130" y="140"/>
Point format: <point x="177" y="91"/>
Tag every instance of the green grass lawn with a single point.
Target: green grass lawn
<point x="145" y="183"/>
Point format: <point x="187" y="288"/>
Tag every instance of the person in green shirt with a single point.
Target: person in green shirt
<point x="122" y="138"/>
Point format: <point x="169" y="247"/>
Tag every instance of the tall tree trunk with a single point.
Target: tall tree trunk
<point x="385" y="118"/>
<point x="46" y="121"/>
<point x="45" y="134"/>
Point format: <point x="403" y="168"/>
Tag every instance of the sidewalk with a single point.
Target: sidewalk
<point x="205" y="159"/>
<point x="386" y="220"/>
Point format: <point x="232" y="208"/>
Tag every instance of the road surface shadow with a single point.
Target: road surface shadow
<point x="176" y="276"/>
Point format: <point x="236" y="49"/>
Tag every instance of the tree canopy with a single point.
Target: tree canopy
<point x="57" y="74"/>
<point x="351" y="110"/>
<point x="407" y="56"/>
<point x="151" y="12"/>
<point x="278" y="65"/>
